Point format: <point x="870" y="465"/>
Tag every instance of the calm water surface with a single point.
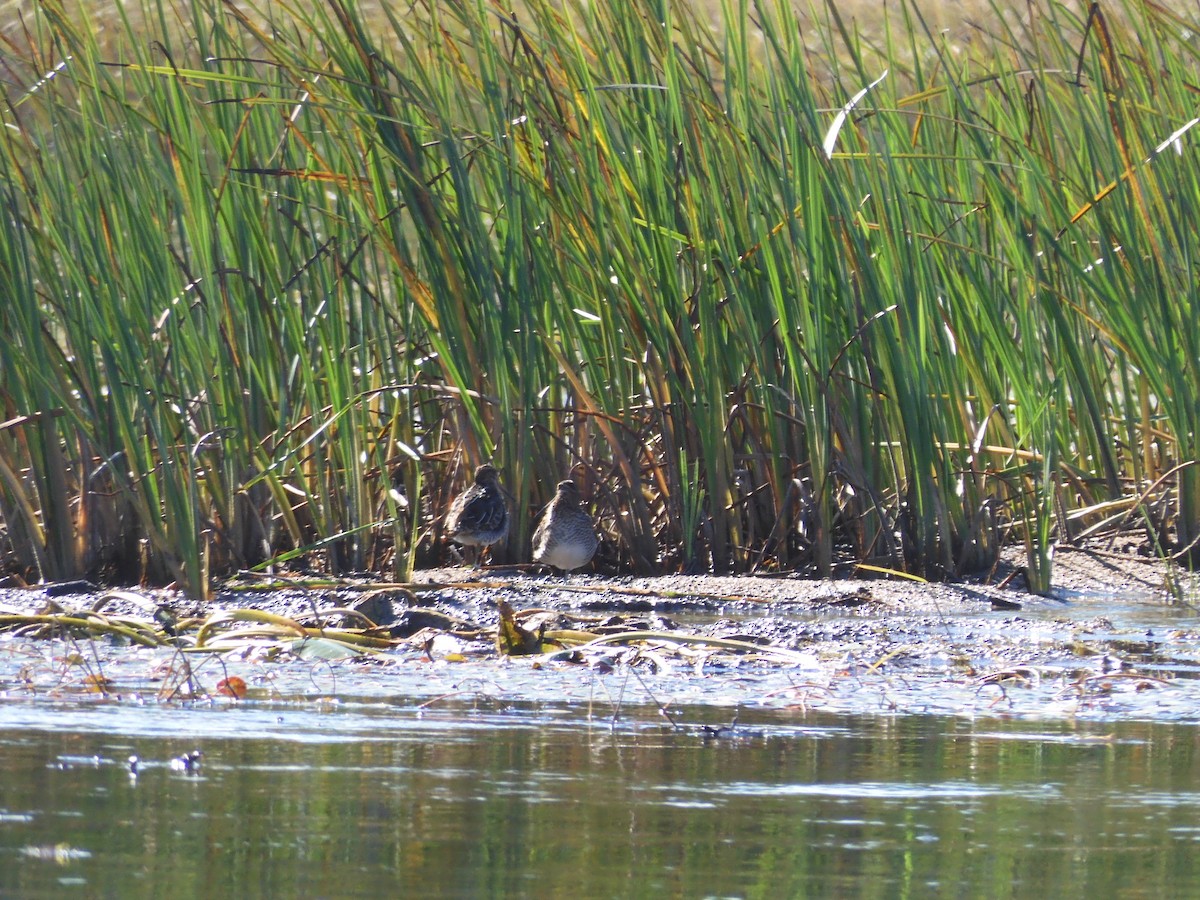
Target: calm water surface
<point x="379" y="798"/>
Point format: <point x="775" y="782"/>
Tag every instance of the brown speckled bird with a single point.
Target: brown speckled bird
<point x="478" y="517"/>
<point x="566" y="536"/>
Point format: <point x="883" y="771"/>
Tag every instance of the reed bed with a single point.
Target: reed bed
<point x="276" y="279"/>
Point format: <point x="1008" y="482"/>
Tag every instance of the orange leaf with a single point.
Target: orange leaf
<point x="232" y="687"/>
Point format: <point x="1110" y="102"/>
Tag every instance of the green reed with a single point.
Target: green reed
<point x="276" y="279"/>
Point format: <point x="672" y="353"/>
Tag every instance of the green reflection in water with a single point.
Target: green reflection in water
<point x="525" y="803"/>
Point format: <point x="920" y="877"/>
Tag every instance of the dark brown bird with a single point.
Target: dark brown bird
<point x="566" y="536"/>
<point x="478" y="517"/>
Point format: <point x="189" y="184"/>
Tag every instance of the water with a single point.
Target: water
<point x="474" y="798"/>
<point x="1051" y="753"/>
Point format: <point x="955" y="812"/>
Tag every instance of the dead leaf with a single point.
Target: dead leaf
<point x="511" y="638"/>
<point x="232" y="687"/>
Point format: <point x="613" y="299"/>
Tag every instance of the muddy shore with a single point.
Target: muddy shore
<point x="776" y="608"/>
<point x="471" y="594"/>
<point x="1111" y="641"/>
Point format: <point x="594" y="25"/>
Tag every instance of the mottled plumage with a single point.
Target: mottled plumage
<point x="478" y="517"/>
<point x="566" y="536"/>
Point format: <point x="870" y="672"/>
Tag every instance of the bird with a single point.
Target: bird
<point x="478" y="517"/>
<point x="565" y="537"/>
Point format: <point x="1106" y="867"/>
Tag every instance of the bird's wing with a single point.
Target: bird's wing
<point x="483" y="512"/>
